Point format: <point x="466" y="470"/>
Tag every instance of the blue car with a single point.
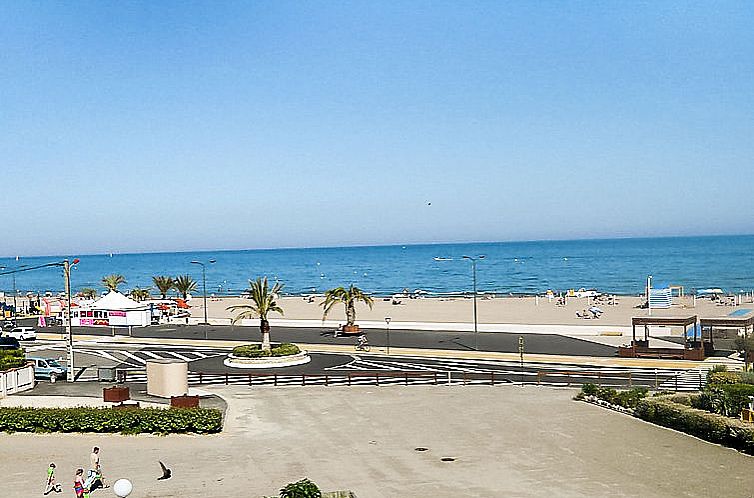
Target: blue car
<point x="47" y="368"/>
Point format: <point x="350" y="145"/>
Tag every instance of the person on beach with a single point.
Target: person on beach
<point x="51" y="485"/>
<point x="78" y="484"/>
<point x="95" y="470"/>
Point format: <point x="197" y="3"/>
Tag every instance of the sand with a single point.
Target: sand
<point x="507" y="310"/>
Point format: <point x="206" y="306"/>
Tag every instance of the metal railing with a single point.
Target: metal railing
<point x="563" y="378"/>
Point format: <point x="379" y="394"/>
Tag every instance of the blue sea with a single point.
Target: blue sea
<point x="612" y="265"/>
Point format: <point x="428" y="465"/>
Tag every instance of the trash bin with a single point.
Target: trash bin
<point x="106" y="374"/>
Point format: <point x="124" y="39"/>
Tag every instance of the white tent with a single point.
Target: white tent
<point x="112" y="310"/>
<point x="114" y="300"/>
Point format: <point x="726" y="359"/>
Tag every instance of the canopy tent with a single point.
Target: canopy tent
<point x="114" y="300"/>
<point x="113" y="310"/>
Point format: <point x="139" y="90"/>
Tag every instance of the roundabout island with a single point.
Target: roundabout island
<point x="253" y="356"/>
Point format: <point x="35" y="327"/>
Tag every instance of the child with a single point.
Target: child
<point x="78" y="484"/>
<point x="51" y="484"/>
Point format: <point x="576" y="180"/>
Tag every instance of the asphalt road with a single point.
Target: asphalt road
<point x="451" y="340"/>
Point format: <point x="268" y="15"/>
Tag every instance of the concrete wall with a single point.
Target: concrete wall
<point x="16" y="380"/>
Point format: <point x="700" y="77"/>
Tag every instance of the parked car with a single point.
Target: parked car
<point x="9" y="343"/>
<point x="23" y="333"/>
<point x="47" y="368"/>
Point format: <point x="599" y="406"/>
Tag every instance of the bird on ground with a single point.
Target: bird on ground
<point x="166" y="472"/>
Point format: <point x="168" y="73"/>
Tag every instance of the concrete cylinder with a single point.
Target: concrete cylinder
<point x="167" y="377"/>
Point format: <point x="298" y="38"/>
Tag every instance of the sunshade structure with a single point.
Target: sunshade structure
<point x="728" y="322"/>
<point x="692" y="350"/>
<point x="710" y="292"/>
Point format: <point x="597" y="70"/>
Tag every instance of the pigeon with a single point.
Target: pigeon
<point x="166" y="472"/>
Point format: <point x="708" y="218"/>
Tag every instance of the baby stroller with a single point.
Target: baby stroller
<point x="93" y="480"/>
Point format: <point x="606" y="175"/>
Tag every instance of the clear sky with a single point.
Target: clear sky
<point x="130" y="126"/>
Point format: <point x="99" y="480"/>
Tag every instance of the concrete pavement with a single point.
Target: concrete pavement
<point x="501" y="441"/>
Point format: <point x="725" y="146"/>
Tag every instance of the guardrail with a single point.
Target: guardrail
<point x="16" y="380"/>
<point x="567" y="378"/>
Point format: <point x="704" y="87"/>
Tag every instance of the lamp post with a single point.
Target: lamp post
<point x="15" y="292"/>
<point x="204" y="289"/>
<point x="66" y="265"/>
<point x="473" y="273"/>
<point x="387" y="331"/>
<point x="649" y="295"/>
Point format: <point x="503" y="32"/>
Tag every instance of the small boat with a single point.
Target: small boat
<point x="442" y="259"/>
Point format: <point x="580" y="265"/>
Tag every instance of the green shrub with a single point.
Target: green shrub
<point x="301" y="489"/>
<point x="723" y="378"/>
<point x="724" y="399"/>
<point x="746" y="377"/>
<point x="109" y="420"/>
<point x="256" y="351"/>
<point x="627" y="398"/>
<point x="286" y="349"/>
<point x="708" y="426"/>
<point x="716" y="369"/>
<point x="11" y="358"/>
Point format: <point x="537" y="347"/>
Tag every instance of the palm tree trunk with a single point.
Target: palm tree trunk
<point x="264" y="327"/>
<point x="350" y="313"/>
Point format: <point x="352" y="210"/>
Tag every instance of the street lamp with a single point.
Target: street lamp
<point x="15" y="292"/>
<point x="473" y="272"/>
<point x="66" y="265"/>
<point x="387" y="328"/>
<point x="204" y="289"/>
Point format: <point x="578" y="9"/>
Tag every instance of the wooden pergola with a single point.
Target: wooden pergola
<point x="727" y="322"/>
<point x="640" y="347"/>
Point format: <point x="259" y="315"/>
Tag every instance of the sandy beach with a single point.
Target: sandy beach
<point x="505" y="310"/>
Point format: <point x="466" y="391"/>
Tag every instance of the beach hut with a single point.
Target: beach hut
<point x="112" y="310"/>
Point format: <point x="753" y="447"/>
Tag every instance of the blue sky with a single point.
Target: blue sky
<point x="134" y="126"/>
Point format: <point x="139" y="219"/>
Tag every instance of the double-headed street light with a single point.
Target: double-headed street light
<point x="66" y="265"/>
<point x="204" y="288"/>
<point x="15" y="291"/>
<point x="473" y="272"/>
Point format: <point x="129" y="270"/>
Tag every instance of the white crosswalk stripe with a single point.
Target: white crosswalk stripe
<point x="139" y="358"/>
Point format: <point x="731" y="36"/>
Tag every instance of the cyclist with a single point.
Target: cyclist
<point x="362" y="342"/>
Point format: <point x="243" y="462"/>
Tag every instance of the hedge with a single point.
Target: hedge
<point x="255" y="351"/>
<point x="11" y="358"/>
<point x="110" y="420"/>
<point x="704" y="425"/>
<point x="627" y="398"/>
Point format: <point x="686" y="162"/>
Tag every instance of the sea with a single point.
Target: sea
<point x="619" y="266"/>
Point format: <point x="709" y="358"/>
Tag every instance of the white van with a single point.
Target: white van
<point x="23" y="333"/>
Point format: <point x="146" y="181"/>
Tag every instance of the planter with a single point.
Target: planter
<point x="184" y="402"/>
<point x="115" y="394"/>
<point x="267" y="361"/>
<point x="349" y="329"/>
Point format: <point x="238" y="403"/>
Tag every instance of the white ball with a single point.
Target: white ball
<point x="122" y="488"/>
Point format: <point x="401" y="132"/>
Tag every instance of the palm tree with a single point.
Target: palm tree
<point x="163" y="284"/>
<point x="88" y="293"/>
<point x="348" y="297"/>
<point x="140" y="293"/>
<point x="184" y="284"/>
<point x="111" y="282"/>
<point x="264" y="302"/>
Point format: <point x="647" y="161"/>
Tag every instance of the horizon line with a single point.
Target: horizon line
<point x="406" y="244"/>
